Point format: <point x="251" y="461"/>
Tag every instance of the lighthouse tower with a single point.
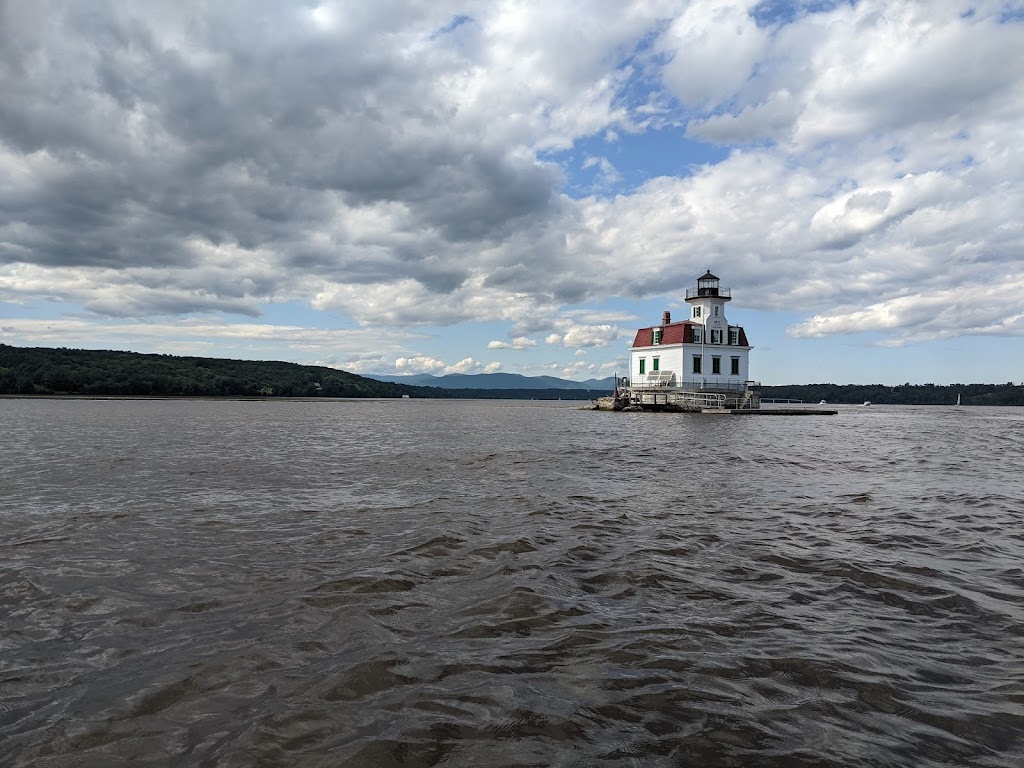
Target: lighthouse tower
<point x="707" y="307"/>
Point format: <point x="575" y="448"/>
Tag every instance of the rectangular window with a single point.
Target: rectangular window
<point x="735" y="366"/>
<point x="657" y="361"/>
<point x="734" y="336"/>
<point x="716" y="310"/>
<point x="716" y="337"/>
<point x="656" y="336"/>
<point x="716" y="366"/>
<point x="696" y="335"/>
<point x="696" y="311"/>
<point x="643" y="365"/>
<point x="696" y="363"/>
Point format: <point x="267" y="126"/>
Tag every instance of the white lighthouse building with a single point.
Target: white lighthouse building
<point x="701" y="361"/>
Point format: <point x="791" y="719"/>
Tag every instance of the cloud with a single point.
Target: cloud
<point x="848" y="72"/>
<point x="420" y="364"/>
<point x="332" y="151"/>
<point x="200" y="335"/>
<point x="714" y="47"/>
<point x="978" y="310"/>
<point x="360" y="363"/>
<point x="469" y="365"/>
<point x="466" y="365"/>
<point x="607" y="173"/>
<point x="519" y="343"/>
<point x="590" y="336"/>
<point x="578" y="370"/>
<point x="404" y="166"/>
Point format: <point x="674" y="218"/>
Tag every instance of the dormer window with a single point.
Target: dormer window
<point x="656" y="336"/>
<point x="696" y="335"/>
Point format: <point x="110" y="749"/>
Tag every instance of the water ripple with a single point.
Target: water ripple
<point x="461" y="584"/>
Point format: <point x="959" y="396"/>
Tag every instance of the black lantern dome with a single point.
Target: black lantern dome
<point x="707" y="285"/>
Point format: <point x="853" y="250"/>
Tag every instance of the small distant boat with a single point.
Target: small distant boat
<point x="867" y="402"/>
<point x="823" y="402"/>
<point x="958" y="398"/>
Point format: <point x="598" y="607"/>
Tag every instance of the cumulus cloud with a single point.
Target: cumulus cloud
<point x="466" y="365"/>
<point x="419" y="364"/>
<point x="979" y="310"/>
<point x="407" y="167"/>
<point x="520" y="342"/>
<point x="590" y="336"/>
<point x="197" y="335"/>
<point x="714" y="46"/>
<point x="337" y="150"/>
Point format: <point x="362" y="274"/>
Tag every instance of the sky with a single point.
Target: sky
<point x="506" y="185"/>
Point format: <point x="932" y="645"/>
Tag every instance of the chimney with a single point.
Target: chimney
<point x="666" y="318"/>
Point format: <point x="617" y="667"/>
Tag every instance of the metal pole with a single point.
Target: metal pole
<point x="703" y="333"/>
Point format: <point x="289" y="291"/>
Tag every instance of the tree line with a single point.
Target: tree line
<point x="63" y="371"/>
<point x="902" y="394"/>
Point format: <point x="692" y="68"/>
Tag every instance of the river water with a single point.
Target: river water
<point x="480" y="583"/>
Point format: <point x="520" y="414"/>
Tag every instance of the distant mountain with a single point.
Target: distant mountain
<point x="495" y="381"/>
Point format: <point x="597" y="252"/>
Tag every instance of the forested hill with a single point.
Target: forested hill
<point x="40" y="370"/>
<point x="45" y="371"/>
<point x="903" y="394"/>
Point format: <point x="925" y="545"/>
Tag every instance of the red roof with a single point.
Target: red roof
<point x="673" y="333"/>
<point x="676" y="333"/>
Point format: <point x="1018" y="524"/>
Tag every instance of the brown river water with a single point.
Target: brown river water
<point x="499" y="583"/>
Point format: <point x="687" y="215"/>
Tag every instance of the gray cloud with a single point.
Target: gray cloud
<point x="381" y="161"/>
<point x="140" y="132"/>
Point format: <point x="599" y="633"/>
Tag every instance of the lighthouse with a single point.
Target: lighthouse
<point x="700" y="361"/>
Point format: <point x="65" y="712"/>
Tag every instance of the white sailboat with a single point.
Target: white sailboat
<point x="958" y="398"/>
